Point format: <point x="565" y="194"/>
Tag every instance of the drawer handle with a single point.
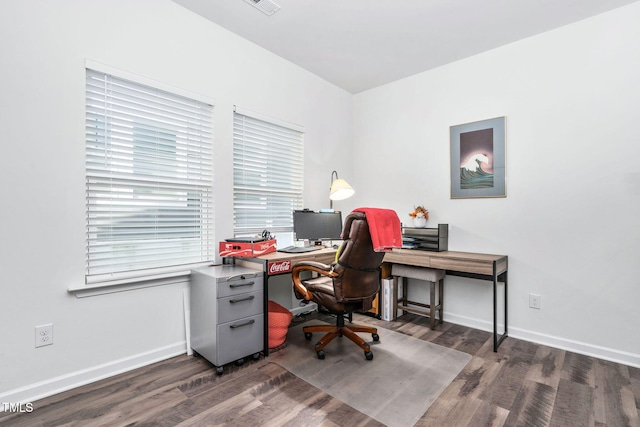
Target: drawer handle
<point x="241" y="284"/>
<point x="249" y="298"/>
<point x="239" y="276"/>
<point x="240" y="325"/>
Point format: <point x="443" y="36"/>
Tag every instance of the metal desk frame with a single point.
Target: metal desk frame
<point x="493" y="268"/>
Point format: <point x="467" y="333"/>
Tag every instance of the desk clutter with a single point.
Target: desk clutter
<point x="426" y="239"/>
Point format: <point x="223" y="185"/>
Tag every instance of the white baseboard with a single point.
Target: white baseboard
<point x="72" y="380"/>
<point x="586" y="349"/>
<point x="469" y="322"/>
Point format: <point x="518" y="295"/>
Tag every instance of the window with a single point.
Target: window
<point x="149" y="180"/>
<point x="267" y="173"/>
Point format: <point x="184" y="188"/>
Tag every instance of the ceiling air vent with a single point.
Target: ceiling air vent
<point x="265" y="6"/>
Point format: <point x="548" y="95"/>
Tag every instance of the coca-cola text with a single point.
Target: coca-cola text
<point x="279" y="267"/>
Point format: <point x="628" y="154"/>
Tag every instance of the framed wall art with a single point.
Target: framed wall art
<point x="478" y="159"/>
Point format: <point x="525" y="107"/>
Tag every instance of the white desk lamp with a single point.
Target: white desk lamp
<point x="340" y="189"/>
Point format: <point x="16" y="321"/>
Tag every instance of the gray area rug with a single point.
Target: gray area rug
<point x="396" y="388"/>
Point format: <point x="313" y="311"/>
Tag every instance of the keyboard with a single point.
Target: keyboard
<point x="298" y="249"/>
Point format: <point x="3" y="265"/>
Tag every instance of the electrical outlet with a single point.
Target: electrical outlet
<point x="534" y="301"/>
<point x="44" y="335"/>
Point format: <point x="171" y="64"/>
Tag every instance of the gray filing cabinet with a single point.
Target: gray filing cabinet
<point x="227" y="313"/>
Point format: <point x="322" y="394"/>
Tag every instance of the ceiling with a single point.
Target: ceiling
<point x="361" y="44"/>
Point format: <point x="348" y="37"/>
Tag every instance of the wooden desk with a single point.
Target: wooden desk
<point x="474" y="265"/>
<point x="465" y="264"/>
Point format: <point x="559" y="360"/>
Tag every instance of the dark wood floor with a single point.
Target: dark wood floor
<point x="524" y="384"/>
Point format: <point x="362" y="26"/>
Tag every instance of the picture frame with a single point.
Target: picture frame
<point x="478" y="159"/>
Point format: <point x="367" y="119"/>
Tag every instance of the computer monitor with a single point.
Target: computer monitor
<point x="317" y="226"/>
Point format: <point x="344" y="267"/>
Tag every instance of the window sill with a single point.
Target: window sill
<point x="120" y="286"/>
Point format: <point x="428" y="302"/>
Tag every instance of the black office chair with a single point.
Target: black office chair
<point x="346" y="285"/>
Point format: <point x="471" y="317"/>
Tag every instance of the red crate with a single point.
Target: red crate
<point x="246" y="249"/>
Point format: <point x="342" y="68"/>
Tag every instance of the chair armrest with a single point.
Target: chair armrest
<point x="316" y="267"/>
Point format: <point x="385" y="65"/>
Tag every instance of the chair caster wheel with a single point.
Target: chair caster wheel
<point x="307" y="336"/>
<point x="219" y="370"/>
<point x="375" y="337"/>
<point x="240" y="362"/>
<point x="368" y="355"/>
<point x="320" y="354"/>
<point x="256" y="356"/>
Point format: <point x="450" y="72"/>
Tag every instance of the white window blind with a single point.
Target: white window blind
<point x="149" y="180"/>
<point x="267" y="174"/>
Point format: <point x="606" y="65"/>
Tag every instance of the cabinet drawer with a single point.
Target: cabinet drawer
<point x="239" y="306"/>
<point x="239" y="285"/>
<point x="240" y="338"/>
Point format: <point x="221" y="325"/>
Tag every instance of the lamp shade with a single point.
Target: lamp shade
<point x="340" y="190"/>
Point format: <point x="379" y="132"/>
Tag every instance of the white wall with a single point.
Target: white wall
<point x="44" y="45"/>
<point x="570" y="221"/>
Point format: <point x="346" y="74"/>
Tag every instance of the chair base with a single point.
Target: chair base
<point x="339" y="330"/>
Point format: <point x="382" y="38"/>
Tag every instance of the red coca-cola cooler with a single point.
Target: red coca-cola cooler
<point x="246" y="249"/>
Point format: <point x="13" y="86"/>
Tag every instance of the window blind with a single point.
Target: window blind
<point x="267" y="174"/>
<point x="149" y="180"/>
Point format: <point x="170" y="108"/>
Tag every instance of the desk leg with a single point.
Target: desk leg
<point x="505" y="304"/>
<point x="265" y="334"/>
<point x="495" y="313"/>
<point x="497" y="341"/>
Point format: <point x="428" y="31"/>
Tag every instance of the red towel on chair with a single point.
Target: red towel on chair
<point x="384" y="227"/>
